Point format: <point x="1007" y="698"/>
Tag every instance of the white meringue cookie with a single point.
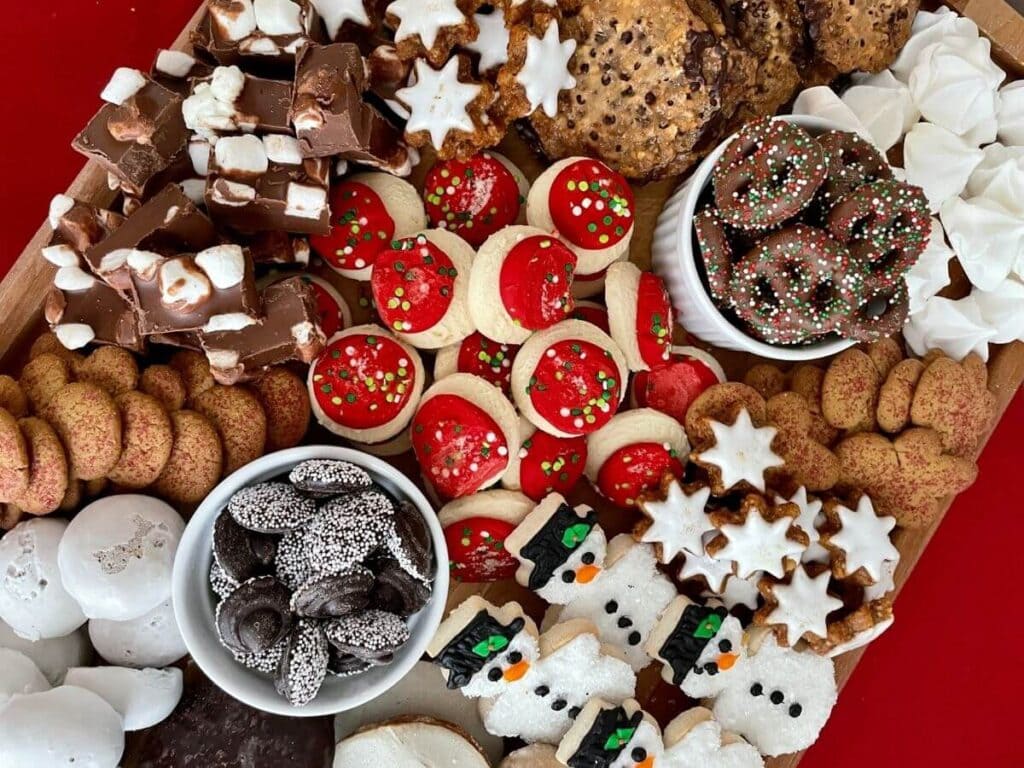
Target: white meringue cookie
<point x="987" y="238"/>
<point x="939" y="162"/>
<point x="883" y="104"/>
<point x="954" y="326"/>
<point x="53" y="655"/>
<point x="19" y="676"/>
<point x="822" y="101"/>
<point x="143" y="697"/>
<point x="955" y="85"/>
<point x="1000" y="177"/>
<point x="117" y="555"/>
<point x="1002" y="311"/>
<point x="66" y="726"/>
<point x="33" y="598"/>
<point x="1011" y="113"/>
<point x="152" y="640"/>
<point x="930" y="273"/>
<point x="929" y="28"/>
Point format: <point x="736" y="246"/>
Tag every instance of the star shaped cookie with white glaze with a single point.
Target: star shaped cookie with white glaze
<point x="676" y="518"/>
<point x="740" y="455"/>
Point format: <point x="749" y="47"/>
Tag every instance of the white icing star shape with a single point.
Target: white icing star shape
<point x="425" y="18"/>
<point x="715" y="570"/>
<point x="337" y="12"/>
<point x="492" y="41"/>
<point x="758" y="545"/>
<point x="742" y="451"/>
<point x="738" y="591"/>
<point x="803" y="605"/>
<point x="678" y="522"/>
<point x="545" y="72"/>
<point x="438" y="102"/>
<point x="886" y="584"/>
<point x="864" y="538"/>
<point x="809" y="519"/>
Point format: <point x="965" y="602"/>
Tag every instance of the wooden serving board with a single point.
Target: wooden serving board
<point x="25" y="286"/>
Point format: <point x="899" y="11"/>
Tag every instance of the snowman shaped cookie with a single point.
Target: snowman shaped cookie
<point x="566" y="559"/>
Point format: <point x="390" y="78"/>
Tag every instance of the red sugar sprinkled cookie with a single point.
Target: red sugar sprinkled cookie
<point x="639" y="315"/>
<point x="475" y="198"/>
<point x="368" y="212"/>
<point x="366" y="384"/>
<point x="545" y="464"/>
<point x="475" y="529"/>
<point x="521" y="283"/>
<point x="480" y="356"/>
<point x="463" y="434"/>
<point x="569" y="379"/>
<point x="673" y="387"/>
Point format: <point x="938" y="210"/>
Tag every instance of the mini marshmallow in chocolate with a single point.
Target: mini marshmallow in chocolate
<point x="259" y="34"/>
<point x="230" y="100"/>
<point x="175" y="69"/>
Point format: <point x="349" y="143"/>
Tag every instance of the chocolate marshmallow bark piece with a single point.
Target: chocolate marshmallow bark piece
<point x="258" y="185"/>
<point x="213" y="290"/>
<point x="263" y="35"/>
<point x="174" y="69"/>
<point x="167" y="224"/>
<point x="229" y="101"/>
<point x="182" y="340"/>
<point x="138" y="134"/>
<point x="276" y="247"/>
<point x="288" y="330"/>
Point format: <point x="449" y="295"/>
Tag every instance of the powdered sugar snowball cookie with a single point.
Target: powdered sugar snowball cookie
<point x="544" y="463"/>
<point x="639" y="315"/>
<point x="671" y="388"/>
<point x="369" y="211"/>
<point x="477" y="197"/>
<point x="410" y="741"/>
<point x="859" y="540"/>
<point x="930" y="273"/>
<point x="884" y="105"/>
<point x="33" y="599"/>
<point x="463" y="434"/>
<point x="740" y="456"/>
<point x="143" y="697"/>
<point x="366" y="384"/>
<point x="569" y="379"/>
<point x="588" y="206"/>
<point x="421" y="286"/>
<point x="19" y="676"/>
<point x="117" y="553"/>
<point x="677" y="519"/>
<point x="1010" y="115"/>
<point x="521" y="283"/>
<point x="633" y="452"/>
<point x="64" y="726"/>
<point x="607" y="735"/>
<point x="53" y="656"/>
<point x="986" y="237"/>
<point x="938" y="161"/>
<point x="476" y="528"/>
<point x="954" y="326"/>
<point x="151" y="640"/>
<point x="476" y="354"/>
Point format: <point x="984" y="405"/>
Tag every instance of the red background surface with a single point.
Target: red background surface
<point x="941" y="688"/>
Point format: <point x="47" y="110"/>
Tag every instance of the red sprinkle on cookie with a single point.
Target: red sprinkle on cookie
<point x="285" y="399"/>
<point x="549" y="464"/>
<point x="413" y="285"/>
<point x="361" y="227"/>
<point x="591" y="205"/>
<point x="536" y="282"/>
<point x="473" y="198"/>
<point x="89" y="424"/>
<point x="476" y="550"/>
<point x="634" y="469"/>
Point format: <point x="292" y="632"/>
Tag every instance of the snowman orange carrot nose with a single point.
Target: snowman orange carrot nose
<point x="726" y="661"/>
<point x="516" y="671"/>
<point x="587" y="573"/>
<point x="648" y="762"/>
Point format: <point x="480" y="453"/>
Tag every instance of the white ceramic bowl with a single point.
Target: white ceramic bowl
<point x="675" y="259"/>
<point x="195" y="602"/>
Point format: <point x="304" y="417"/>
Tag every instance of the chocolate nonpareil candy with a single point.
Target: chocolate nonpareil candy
<point x="138" y="134"/>
<point x="230" y="100"/>
<point x="288" y="330"/>
<point x="263" y="35"/>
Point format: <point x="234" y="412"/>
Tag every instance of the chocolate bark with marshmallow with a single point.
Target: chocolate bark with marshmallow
<point x="138" y="134"/>
<point x="288" y="330"/>
<point x="264" y="184"/>
<point x="174" y="70"/>
<point x="229" y="101"/>
<point x="263" y="35"/>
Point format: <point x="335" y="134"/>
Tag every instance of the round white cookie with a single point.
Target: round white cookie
<point x="53" y="655"/>
<point x="532" y="756"/>
<point x="643" y="425"/>
<point x="410" y="742"/>
<point x="19" y="675"/>
<point x="143" y="697"/>
<point x="151" y="640"/>
<point x="586" y="285"/>
<point x="622" y="296"/>
<point x="508" y="506"/>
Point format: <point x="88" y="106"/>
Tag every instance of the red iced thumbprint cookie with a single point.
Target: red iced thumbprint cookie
<point x="632" y="452"/>
<point x="589" y="206"/>
<point x="366" y="384"/>
<point x="480" y="356"/>
<point x="593" y="313"/>
<point x="420" y="286"/>
<point x="545" y="464"/>
<point x="463" y="434"/>
<point x="639" y="315"/>
<point x="569" y="379"/>
<point x="475" y="529"/>
<point x="475" y="198"/>
<point x="673" y="387"/>
<point x="369" y="211"/>
<point x="521" y="283"/>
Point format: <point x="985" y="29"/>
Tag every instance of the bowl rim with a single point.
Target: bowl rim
<point x="695" y="186"/>
<point x="200" y="637"/>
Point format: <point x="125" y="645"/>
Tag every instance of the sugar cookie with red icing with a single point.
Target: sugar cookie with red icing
<point x="569" y="379"/>
<point x="475" y="198"/>
<point x="475" y="528"/>
<point x="586" y="285"/>
<point x="521" y="283"/>
<point x="639" y="315"/>
<point x="480" y="356"/>
<point x="369" y="211"/>
<point x="366" y="384"/>
<point x="589" y="206"/>
<point x="591" y="312"/>
<point x="545" y="464"/>
<point x="672" y="387"/>
<point x="633" y="452"/>
<point x="420" y="286"/>
<point x="463" y="434"/>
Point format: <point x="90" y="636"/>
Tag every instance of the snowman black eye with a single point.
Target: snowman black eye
<point x="588" y="558"/>
<point x="725" y="646"/>
<point x="639" y="755"/>
<point x="568" y="577"/>
<point x="795" y="710"/>
<point x="515" y="657"/>
<point x="494" y="674"/>
<point x="777" y="697"/>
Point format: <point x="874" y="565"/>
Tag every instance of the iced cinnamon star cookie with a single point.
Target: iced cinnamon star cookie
<point x="740" y="455"/>
<point x="759" y="537"/>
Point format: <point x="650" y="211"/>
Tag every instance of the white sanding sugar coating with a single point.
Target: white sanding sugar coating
<point x="117" y="555"/>
<point x="143" y="697"/>
<point x="53" y="655"/>
<point x="151" y="640"/>
<point x="19" y="675"/>
<point x="33" y="599"/>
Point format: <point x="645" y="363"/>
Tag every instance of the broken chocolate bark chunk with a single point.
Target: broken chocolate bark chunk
<point x="174" y="69"/>
<point x="229" y="101"/>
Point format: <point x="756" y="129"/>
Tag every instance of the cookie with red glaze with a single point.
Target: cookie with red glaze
<point x="591" y="312"/>
<point x="587" y="285"/>
<point x="475" y="198"/>
<point x="475" y="528"/>
<point x="633" y="452"/>
<point x="569" y="379"/>
<point x="545" y="464"/>
<point x="366" y="384"/>
<point x="521" y="283"/>
<point x="673" y="387"/>
<point x="369" y="211"/>
<point x="480" y="356"/>
<point x="420" y="287"/>
<point x="589" y="206"/>
<point x="639" y="315"/>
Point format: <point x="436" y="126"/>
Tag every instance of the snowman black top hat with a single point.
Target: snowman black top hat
<point x="477" y="644"/>
<point x="695" y="629"/>
<point x="564" y="531"/>
<point x="606" y="739"/>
